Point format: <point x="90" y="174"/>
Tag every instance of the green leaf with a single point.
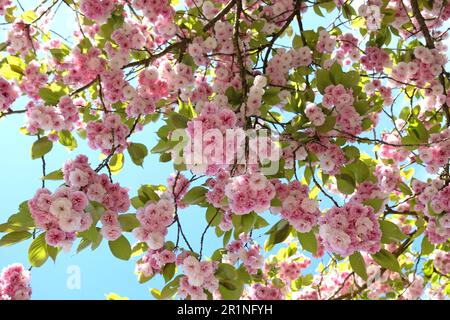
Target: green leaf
<point x="426" y="246"/>
<point x="308" y="241"/>
<point x="345" y="183"/>
<point x="278" y="233"/>
<point x="374" y="203"/>
<point x="137" y="152"/>
<point x="169" y="271"/>
<point x="51" y="97"/>
<point x="226" y="271"/>
<point x="231" y="290"/>
<point x="66" y="139"/>
<point x="40" y="148"/>
<point x="116" y="163"/>
<point x="323" y="80"/>
<point x="37" y="253"/>
<point x="358" y="265"/>
<point x="387" y="260"/>
<point x="120" y="248"/>
<point x="14" y="237"/>
<point x="195" y="195"/>
<point x="128" y="222"/>
<point x="390" y="232"/>
<point x="54" y="175"/>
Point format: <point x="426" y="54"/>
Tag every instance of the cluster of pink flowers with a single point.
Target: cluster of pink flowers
<point x="278" y="67"/>
<point x="246" y="251"/>
<point x="98" y="10"/>
<point x="434" y="196"/>
<point x="367" y="191"/>
<point x="33" y="80"/>
<point x="178" y="76"/>
<point x="153" y="9"/>
<point x="388" y="176"/>
<point x="20" y="38"/>
<point x="290" y="269"/>
<point x="109" y="134"/>
<point x="8" y="94"/>
<point x="154" y="219"/>
<point x="441" y="261"/>
<point x="4" y="4"/>
<point x="254" y="97"/>
<point x="385" y="92"/>
<point x="78" y="175"/>
<point x="422" y="70"/>
<point x="202" y="131"/>
<point x="82" y="68"/>
<point x="15" y="283"/>
<point x="375" y="59"/>
<point x="326" y="42"/>
<point x="314" y="114"/>
<point x="296" y="207"/>
<point x="437" y="155"/>
<point x="372" y="13"/>
<point x="350" y="228"/>
<point x="348" y="48"/>
<point x="390" y="149"/>
<point x="259" y="291"/>
<point x="415" y="288"/>
<point x="113" y="85"/>
<point x="348" y="119"/>
<point x="242" y="194"/>
<point x="152" y="85"/>
<point x="331" y="157"/>
<point x="60" y="214"/>
<point x="154" y="261"/>
<point x="130" y="36"/>
<point x="199" y="49"/>
<point x="199" y="275"/>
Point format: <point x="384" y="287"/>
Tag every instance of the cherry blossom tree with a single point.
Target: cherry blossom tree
<point x="305" y="133"/>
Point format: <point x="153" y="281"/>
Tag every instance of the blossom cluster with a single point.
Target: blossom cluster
<point x="350" y="228"/>
<point x="15" y="283"/>
<point x="154" y="261"/>
<point x="8" y="94"/>
<point x="198" y="276"/>
<point x="244" y="250"/>
<point x="296" y="207"/>
<point x="154" y="219"/>
<point x="108" y="135"/>
<point x="78" y="175"/>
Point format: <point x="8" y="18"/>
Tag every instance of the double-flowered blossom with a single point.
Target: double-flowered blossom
<point x="241" y="194"/>
<point x="154" y="219"/>
<point x="433" y="199"/>
<point x="438" y="153"/>
<point x="375" y="59"/>
<point x="278" y="67"/>
<point x="107" y="135"/>
<point x="290" y="269"/>
<point x="441" y="261"/>
<point x="61" y="214"/>
<point x="314" y="114"/>
<point x="34" y="79"/>
<point x="83" y="67"/>
<point x="260" y="291"/>
<point x="208" y="132"/>
<point x="64" y="116"/>
<point x="392" y="148"/>
<point x="341" y="100"/>
<point x="15" y="283"/>
<point x="8" y="94"/>
<point x="246" y="251"/>
<point x="78" y="175"/>
<point x="21" y="38"/>
<point x="98" y="10"/>
<point x="255" y="96"/>
<point x="350" y="228"/>
<point x="198" y="276"/>
<point x="296" y="207"/>
<point x="4" y="4"/>
<point x="154" y="261"/>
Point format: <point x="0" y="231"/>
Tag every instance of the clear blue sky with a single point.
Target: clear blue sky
<point x="101" y="273"/>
